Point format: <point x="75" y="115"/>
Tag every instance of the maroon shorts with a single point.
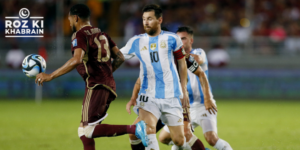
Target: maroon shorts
<point x="95" y="104"/>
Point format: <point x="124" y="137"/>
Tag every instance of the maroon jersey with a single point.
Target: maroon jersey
<point x="96" y="69"/>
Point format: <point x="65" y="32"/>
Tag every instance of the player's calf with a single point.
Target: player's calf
<point x="211" y="137"/>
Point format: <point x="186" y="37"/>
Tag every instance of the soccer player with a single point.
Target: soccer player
<point x="199" y="115"/>
<point x="92" y="52"/>
<point x="161" y="88"/>
<point x="191" y="139"/>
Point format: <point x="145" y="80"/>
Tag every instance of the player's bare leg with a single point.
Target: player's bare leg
<point x="88" y="143"/>
<point x="177" y="136"/>
<point x="151" y="122"/>
<point x="191" y="139"/>
<point x="212" y="137"/>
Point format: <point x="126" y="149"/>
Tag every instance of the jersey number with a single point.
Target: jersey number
<point x="154" y="56"/>
<point x="102" y="45"/>
<point x="144" y="98"/>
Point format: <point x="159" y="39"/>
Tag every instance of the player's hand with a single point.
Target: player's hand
<point x="210" y="106"/>
<point x="185" y="100"/>
<point x="132" y="102"/>
<point x="42" y="77"/>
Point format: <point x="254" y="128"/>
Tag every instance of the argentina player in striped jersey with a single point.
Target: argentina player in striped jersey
<point x="161" y="93"/>
<point x="200" y="116"/>
<point x="191" y="139"/>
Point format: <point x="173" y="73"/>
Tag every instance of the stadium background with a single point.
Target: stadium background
<point x="257" y="92"/>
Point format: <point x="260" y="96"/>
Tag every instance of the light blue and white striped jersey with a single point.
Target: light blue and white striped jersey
<point x="193" y="86"/>
<point x="158" y="72"/>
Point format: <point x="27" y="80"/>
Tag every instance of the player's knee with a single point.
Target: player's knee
<point x="151" y="129"/>
<point x="188" y="133"/>
<point x="178" y="140"/>
<point x="211" y="139"/>
<point x="132" y="137"/>
<point x="88" y="131"/>
<point x="164" y="140"/>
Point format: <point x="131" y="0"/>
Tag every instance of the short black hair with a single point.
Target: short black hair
<point x="81" y="10"/>
<point x="165" y="28"/>
<point x="153" y="7"/>
<point x="186" y="29"/>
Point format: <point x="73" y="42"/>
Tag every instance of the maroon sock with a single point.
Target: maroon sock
<point x="198" y="145"/>
<point x="106" y="130"/>
<point x="88" y="144"/>
<point x="139" y="146"/>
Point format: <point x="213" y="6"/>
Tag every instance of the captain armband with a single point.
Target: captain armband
<point x="179" y="53"/>
<point x="194" y="66"/>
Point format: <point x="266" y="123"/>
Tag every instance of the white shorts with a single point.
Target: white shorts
<point x="201" y="117"/>
<point x="168" y="110"/>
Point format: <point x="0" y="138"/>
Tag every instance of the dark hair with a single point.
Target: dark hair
<point x="81" y="10"/>
<point x="186" y="29"/>
<point x="153" y="7"/>
<point x="165" y="29"/>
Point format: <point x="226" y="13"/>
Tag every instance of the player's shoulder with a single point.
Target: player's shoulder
<point x="168" y="33"/>
<point x="198" y="51"/>
<point x="137" y="37"/>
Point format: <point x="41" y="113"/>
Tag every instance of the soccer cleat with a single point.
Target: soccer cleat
<point x="140" y="132"/>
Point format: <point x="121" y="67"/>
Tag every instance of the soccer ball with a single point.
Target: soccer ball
<point x="33" y="64"/>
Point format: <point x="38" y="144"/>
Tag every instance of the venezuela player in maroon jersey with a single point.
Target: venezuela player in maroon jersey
<point x="92" y="51"/>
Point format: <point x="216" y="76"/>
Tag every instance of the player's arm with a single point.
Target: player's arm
<point x="208" y="102"/>
<point x="118" y="58"/>
<point x="134" y="96"/>
<point x="198" y="58"/>
<point x="67" y="67"/>
<point x="182" y="69"/>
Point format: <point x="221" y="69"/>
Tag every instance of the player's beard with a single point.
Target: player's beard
<point x="73" y="28"/>
<point x="150" y="31"/>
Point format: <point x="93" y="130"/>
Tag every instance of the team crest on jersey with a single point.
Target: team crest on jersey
<point x="163" y="44"/>
<point x="153" y="46"/>
<point x="74" y="43"/>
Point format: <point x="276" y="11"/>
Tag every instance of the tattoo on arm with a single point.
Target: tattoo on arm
<point x="118" y="60"/>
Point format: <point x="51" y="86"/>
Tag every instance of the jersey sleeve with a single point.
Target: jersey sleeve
<point x="129" y="49"/>
<point x="178" y="50"/>
<point x="178" y="44"/>
<point x="201" y="53"/>
<point x="79" y="41"/>
<point x="110" y="41"/>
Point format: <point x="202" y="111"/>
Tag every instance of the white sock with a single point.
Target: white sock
<point x="222" y="145"/>
<point x="185" y="146"/>
<point x="153" y="144"/>
<point x="135" y="142"/>
<point x="192" y="140"/>
<point x="171" y="143"/>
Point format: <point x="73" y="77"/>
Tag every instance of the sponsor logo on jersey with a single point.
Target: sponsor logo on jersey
<point x="144" y="48"/>
<point x="163" y="44"/>
<point x="180" y="120"/>
<point x="74" y="43"/>
<point x="204" y="115"/>
<point x="153" y="46"/>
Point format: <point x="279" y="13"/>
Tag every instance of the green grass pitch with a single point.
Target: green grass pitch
<point x="52" y="125"/>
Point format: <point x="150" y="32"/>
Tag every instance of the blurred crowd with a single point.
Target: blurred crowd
<point x="272" y="26"/>
<point x="278" y="20"/>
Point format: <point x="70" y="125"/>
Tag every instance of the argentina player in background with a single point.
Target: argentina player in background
<point x="161" y="90"/>
<point x="199" y="115"/>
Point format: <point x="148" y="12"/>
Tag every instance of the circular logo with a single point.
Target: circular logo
<point x="24" y="13"/>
